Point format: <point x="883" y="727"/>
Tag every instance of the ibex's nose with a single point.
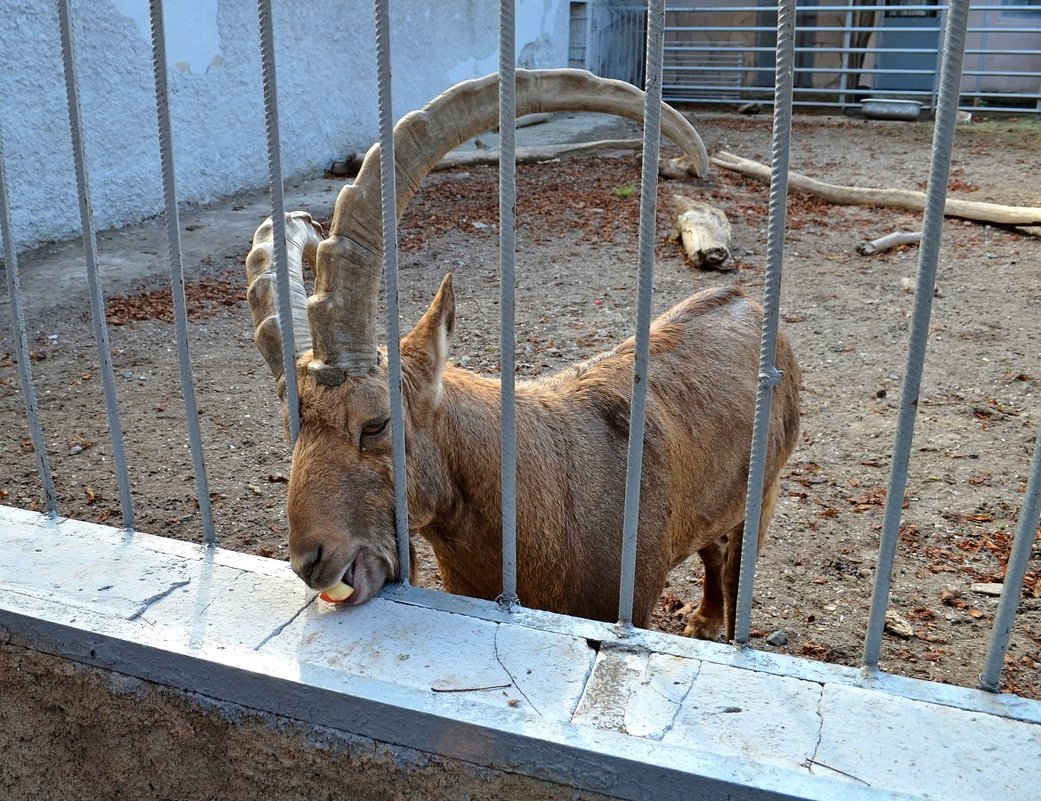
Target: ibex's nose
<point x="306" y="564"/>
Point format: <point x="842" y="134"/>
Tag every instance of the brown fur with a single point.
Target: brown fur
<point x="572" y="432"/>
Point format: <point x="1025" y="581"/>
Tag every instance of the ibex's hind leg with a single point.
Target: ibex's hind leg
<point x="732" y="568"/>
<point x="707" y="620"/>
<point x="731" y="575"/>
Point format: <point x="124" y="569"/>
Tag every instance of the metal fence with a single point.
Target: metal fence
<point x="724" y="52"/>
<point x="786" y="54"/>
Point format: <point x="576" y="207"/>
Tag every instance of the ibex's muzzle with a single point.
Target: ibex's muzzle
<point x="364" y="572"/>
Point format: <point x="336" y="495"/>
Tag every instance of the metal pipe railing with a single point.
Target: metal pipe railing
<point x="1015" y="573"/>
<point x="507" y="286"/>
<point x="785" y="97"/>
<point x="21" y="343"/>
<point x="90" y="250"/>
<point x="769" y="376"/>
<point x="173" y="237"/>
<point x="389" y="217"/>
<point x="276" y="189"/>
<point x="928" y="258"/>
<point x="648" y="210"/>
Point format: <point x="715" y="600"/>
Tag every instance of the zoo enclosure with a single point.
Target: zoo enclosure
<point x="724" y="53"/>
<point x="947" y="105"/>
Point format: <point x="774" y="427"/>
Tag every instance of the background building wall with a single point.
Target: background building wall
<point x="326" y="93"/>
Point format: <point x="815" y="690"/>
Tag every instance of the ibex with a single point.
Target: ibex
<point x="572" y="427"/>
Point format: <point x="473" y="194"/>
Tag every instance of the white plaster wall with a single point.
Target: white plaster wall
<point x="325" y="53"/>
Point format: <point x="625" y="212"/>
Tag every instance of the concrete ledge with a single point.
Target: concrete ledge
<point x="564" y="703"/>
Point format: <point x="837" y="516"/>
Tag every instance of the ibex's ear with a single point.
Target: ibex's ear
<point x="426" y="345"/>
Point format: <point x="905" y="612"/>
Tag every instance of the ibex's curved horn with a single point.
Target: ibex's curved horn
<point x="342" y="309"/>
<point x="302" y="238"/>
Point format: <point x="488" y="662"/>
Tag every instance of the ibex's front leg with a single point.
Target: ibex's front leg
<point x="706" y="621"/>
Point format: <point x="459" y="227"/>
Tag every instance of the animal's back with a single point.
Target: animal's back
<point x="703" y="377"/>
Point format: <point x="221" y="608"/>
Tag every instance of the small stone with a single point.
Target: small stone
<point x="897" y="626"/>
<point x="128" y="374"/>
<point x="75" y="449"/>
<point x="987" y="588"/>
<point x="777" y="639"/>
<point x="908" y="285"/>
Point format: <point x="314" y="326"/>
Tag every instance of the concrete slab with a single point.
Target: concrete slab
<point x="773" y="719"/>
<point x="937" y="751"/>
<point x="110" y="577"/>
<point x="443" y="653"/>
<point x="220" y="604"/>
<point x="635" y="692"/>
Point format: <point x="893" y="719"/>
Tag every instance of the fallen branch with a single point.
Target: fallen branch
<point x="888" y="242"/>
<point x="908" y="199"/>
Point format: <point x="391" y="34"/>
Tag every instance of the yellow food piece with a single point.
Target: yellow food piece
<point x="338" y="592"/>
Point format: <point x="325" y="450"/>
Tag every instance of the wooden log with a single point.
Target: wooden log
<point x="908" y="199"/>
<point x="888" y="242"/>
<point x="705" y="233"/>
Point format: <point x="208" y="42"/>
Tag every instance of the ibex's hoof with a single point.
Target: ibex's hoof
<point x="703" y="628"/>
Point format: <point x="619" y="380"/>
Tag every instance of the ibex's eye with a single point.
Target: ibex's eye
<point x="374" y="427"/>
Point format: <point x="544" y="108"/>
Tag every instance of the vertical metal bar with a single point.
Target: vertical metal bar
<point x="928" y="257"/>
<point x="1012" y="587"/>
<point x="97" y="301"/>
<point x="21" y="344"/>
<point x="847" y="42"/>
<point x="278" y="212"/>
<point x="648" y="210"/>
<point x="173" y="236"/>
<point x="389" y="195"/>
<point x="935" y="89"/>
<point x="507" y="256"/>
<point x="768" y="373"/>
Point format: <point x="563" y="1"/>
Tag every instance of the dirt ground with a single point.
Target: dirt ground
<point x="847" y="317"/>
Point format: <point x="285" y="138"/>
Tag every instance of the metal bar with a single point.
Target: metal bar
<point x="768" y="373"/>
<point x="173" y="237"/>
<point x="278" y="213"/>
<point x="21" y="344"/>
<point x="726" y="95"/>
<point x="648" y="210"/>
<point x="90" y="249"/>
<point x="1012" y="587"/>
<point x="928" y="257"/>
<point x="507" y="259"/>
<point x="847" y="38"/>
<point x="388" y="196"/>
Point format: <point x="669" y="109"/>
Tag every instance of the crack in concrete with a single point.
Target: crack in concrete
<point x="283" y="626"/>
<point x="516" y="684"/>
<point x="594" y="646"/>
<point x="679" y="705"/>
<point x="148" y="602"/>
<point x="820" y="731"/>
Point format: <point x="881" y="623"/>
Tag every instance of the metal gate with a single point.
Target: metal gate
<point x="845" y="52"/>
